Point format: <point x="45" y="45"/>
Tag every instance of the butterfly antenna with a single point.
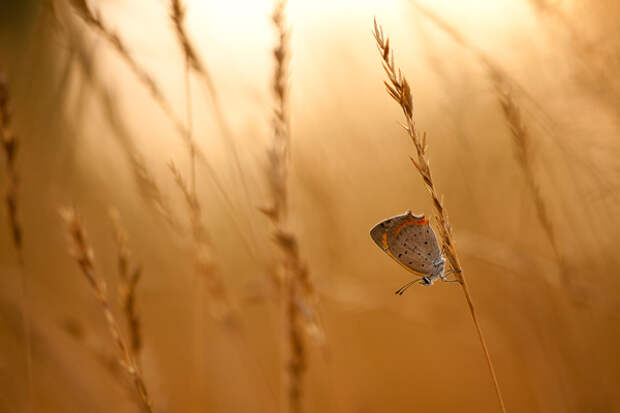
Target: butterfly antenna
<point x="404" y="288"/>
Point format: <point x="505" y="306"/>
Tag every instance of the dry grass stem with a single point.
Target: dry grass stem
<point x="177" y="15"/>
<point x="10" y="145"/>
<point x="107" y="360"/>
<point x="93" y="19"/>
<point x="398" y="88"/>
<point x="83" y="254"/>
<point x="205" y="265"/>
<point x="147" y="186"/>
<point x="293" y="280"/>
<point x="196" y="64"/>
<point x="128" y="284"/>
<point x="495" y="71"/>
<point x="502" y="83"/>
<point x="523" y="146"/>
<point x="279" y="153"/>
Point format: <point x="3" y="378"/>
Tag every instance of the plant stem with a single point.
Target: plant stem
<point x="474" y="316"/>
<point x="398" y="88"/>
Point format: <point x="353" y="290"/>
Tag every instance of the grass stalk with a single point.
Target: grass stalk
<point x="147" y="186"/>
<point x="293" y="280"/>
<point x="504" y="84"/>
<point x="398" y="88"/>
<point x="194" y="63"/>
<point x="523" y="147"/>
<point x="129" y="277"/>
<point x="93" y="19"/>
<point x="10" y="145"/>
<point x="83" y="254"/>
<point x="221" y="308"/>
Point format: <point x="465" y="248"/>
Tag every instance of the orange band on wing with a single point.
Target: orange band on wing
<point x="409" y="221"/>
<point x="384" y="241"/>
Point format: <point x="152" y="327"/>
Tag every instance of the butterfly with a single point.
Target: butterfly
<point x="410" y="240"/>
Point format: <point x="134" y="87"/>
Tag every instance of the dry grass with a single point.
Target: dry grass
<point x="177" y="15"/>
<point x="525" y="146"/>
<point x="144" y="178"/>
<point x="524" y="151"/>
<point x="146" y="183"/>
<point x="204" y="262"/>
<point x="94" y="20"/>
<point x="10" y="145"/>
<point x="400" y="91"/>
<point x="83" y="254"/>
<point x="293" y="279"/>
<point x="328" y="172"/>
<point x="196" y="64"/>
<point x="129" y="277"/>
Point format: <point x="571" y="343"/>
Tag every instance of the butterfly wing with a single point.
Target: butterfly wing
<point x="408" y="239"/>
<point x="380" y="232"/>
<point x="415" y="244"/>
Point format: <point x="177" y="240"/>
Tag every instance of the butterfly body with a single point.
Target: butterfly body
<point x="410" y="240"/>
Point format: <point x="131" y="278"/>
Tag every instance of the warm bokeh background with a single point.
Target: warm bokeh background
<point x="80" y="114"/>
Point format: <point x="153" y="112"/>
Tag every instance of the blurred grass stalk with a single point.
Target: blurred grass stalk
<point x="93" y="19"/>
<point x="10" y="145"/>
<point x="296" y="290"/>
<point x="399" y="90"/>
<point x="128" y="278"/>
<point x="82" y="252"/>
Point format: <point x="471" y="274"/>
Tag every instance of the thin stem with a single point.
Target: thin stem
<point x="474" y="316"/>
<point x="10" y="145"/>
<point x="84" y="257"/>
<point x="189" y="128"/>
<point x="197" y="65"/>
<point x="25" y="309"/>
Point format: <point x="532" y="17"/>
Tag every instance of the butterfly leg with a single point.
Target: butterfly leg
<point x="444" y="279"/>
<point x="456" y="280"/>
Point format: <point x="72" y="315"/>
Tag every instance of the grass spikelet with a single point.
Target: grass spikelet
<point x="10" y="145"/>
<point x="177" y="15"/>
<point x="295" y="286"/>
<point x="399" y="89"/>
<point x="128" y="283"/>
<point x="83" y="255"/>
